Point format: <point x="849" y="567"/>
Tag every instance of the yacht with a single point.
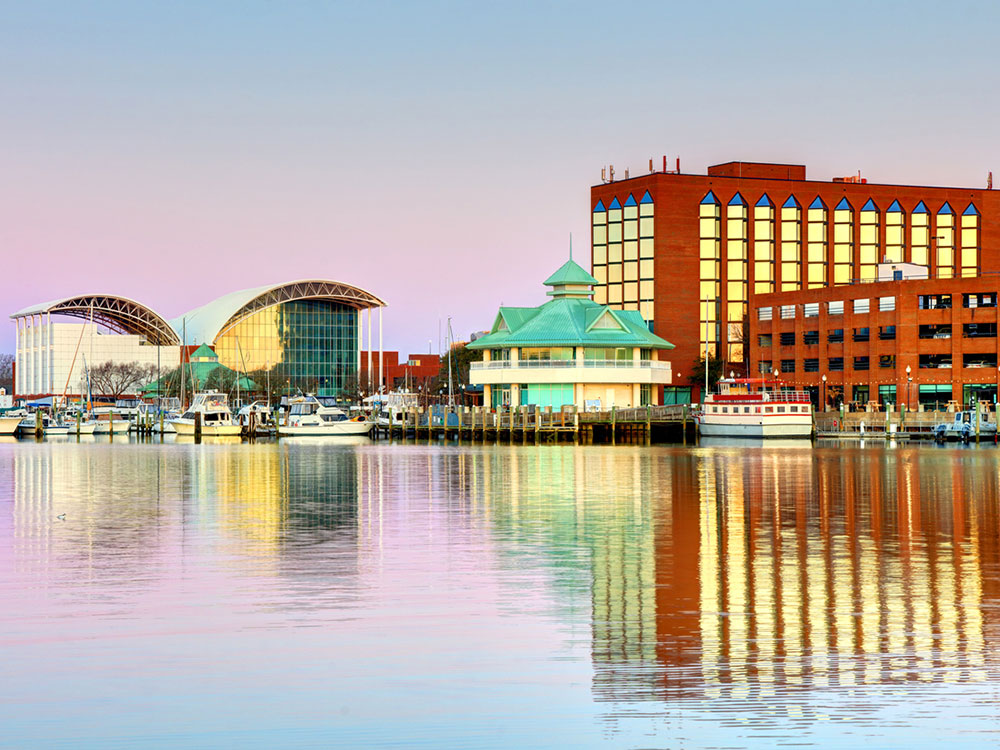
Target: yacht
<point x="216" y="418"/>
<point x="320" y="416"/>
<point x="9" y="425"/>
<point x="756" y="408"/>
<point x="110" y="424"/>
<point x="258" y="412"/>
<point x="50" y="425"/>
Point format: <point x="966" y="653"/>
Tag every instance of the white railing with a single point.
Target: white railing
<point x="649" y="364"/>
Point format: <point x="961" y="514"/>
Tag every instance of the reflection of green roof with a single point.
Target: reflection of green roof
<point x="570" y="272"/>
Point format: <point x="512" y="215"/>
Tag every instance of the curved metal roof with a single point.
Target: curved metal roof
<point x="120" y="314"/>
<point x="206" y="323"/>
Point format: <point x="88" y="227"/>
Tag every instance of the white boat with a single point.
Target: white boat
<point x="963" y="427"/>
<point x="50" y="425"/>
<point x="756" y="408"/>
<point x="259" y="412"/>
<point x="9" y="425"/>
<point x="159" y="414"/>
<point x="391" y="408"/>
<point x="110" y="425"/>
<point x="320" y="417"/>
<point x="216" y="418"/>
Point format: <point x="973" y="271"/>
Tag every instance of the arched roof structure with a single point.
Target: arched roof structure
<point x="119" y="314"/>
<point x="205" y="324"/>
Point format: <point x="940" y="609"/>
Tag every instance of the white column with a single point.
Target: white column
<point x="380" y="370"/>
<point x="17" y="355"/>
<point x="51" y="357"/>
<point x="369" y="315"/>
<point x="361" y="342"/>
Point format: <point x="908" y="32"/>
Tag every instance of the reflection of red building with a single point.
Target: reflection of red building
<point x="416" y="370"/>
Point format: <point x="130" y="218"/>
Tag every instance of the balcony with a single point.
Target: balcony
<point x="570" y="371"/>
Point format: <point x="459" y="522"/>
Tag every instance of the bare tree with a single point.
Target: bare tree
<point x="117" y="378"/>
<point x="7" y="372"/>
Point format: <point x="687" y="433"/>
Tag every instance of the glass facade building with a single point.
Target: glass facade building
<point x="312" y="344"/>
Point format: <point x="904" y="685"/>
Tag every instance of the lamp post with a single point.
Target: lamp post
<point x="824" y="391"/>
<point x="909" y="379"/>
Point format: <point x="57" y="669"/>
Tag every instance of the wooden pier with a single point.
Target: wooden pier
<point x="641" y="425"/>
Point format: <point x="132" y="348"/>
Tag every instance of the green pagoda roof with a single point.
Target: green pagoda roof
<point x="203" y="352"/>
<point x="570" y="272"/>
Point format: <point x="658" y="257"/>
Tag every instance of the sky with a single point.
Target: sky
<point x="439" y="155"/>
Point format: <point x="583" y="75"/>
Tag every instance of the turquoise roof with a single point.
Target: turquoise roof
<point x="570" y="272"/>
<point x="569" y="321"/>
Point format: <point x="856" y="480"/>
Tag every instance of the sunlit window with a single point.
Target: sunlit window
<point x="763" y="245"/>
<point x="599" y="240"/>
<point x="736" y="272"/>
<point x="791" y="245"/>
<point x="944" y="239"/>
<point x="816" y="233"/>
<point x="868" y="245"/>
<point x="843" y="243"/>
<point x="895" y="233"/>
<point x="969" y="257"/>
<point x="710" y="241"/>
<point x="920" y="235"/>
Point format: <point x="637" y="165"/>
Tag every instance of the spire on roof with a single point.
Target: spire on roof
<point x="571" y="280"/>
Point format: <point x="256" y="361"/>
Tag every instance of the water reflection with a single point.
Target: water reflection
<point x="758" y="585"/>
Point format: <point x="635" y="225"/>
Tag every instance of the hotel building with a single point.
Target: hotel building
<point x="689" y="252"/>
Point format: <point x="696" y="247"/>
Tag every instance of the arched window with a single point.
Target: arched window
<point x="791" y="245"/>
<point x="736" y="275"/>
<point x="945" y="240"/>
<point x="646" y="257"/>
<point x="843" y="243"/>
<point x="709" y="249"/>
<point x="895" y="233"/>
<point x="816" y="234"/>
<point x="969" y="258"/>
<point x="763" y="245"/>
<point x="599" y="239"/>
<point x="869" y="241"/>
<point x="920" y="235"/>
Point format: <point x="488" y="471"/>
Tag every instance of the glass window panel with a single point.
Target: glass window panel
<point x="600" y="254"/>
<point x="600" y="235"/>
<point x="646" y="310"/>
<point x="600" y="217"/>
<point x="601" y="274"/>
<point x="615" y="214"/>
<point x="631" y="292"/>
<point x="631" y="271"/>
<point x="615" y="253"/>
<point x="614" y="294"/>
<point x="645" y="209"/>
<point x="646" y="290"/>
<point x="645" y="269"/>
<point x="646" y="227"/>
<point x="614" y="232"/>
<point x="614" y="273"/>
<point x="645" y="248"/>
<point x="631" y="249"/>
<point x="631" y="230"/>
<point x="630" y="212"/>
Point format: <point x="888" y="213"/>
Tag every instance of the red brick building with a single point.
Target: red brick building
<point x="904" y="342"/>
<point x="691" y="251"/>
<point x="416" y="370"/>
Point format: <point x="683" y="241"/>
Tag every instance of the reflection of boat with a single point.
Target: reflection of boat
<point x="757" y="442"/>
<point x="755" y="407"/>
<point x="320" y="417"/>
<point x="304" y="440"/>
<point x="216" y="418"/>
<point x="963" y="427"/>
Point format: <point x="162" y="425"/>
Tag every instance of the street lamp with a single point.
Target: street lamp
<point x="909" y="380"/>
<point x="824" y="390"/>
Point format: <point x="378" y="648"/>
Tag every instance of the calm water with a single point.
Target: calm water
<point x="374" y="595"/>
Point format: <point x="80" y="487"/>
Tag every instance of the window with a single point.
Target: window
<point x="843" y="243"/>
<point x="791" y="244"/>
<point x="886" y="303"/>
<point x="811" y="365"/>
<point x="764" y="339"/>
<point x="816" y="244"/>
<point x="980" y="299"/>
<point x="934" y="301"/>
<point x="835" y="336"/>
<point x="736" y="272"/>
<point x="788" y="365"/>
<point x="836" y="308"/>
<point x="934" y="395"/>
<point x="861" y="363"/>
<point x="764" y="313"/>
<point x="780" y="409"/>
<point x="861" y="334"/>
<point x="979" y="330"/>
<point x="600" y="251"/>
<point x="887" y="333"/>
<point x="869" y="241"/>
<point x="934" y="331"/>
<point x="787" y="338"/>
<point x="763" y="245"/>
<point x="895" y="233"/>
<point x="887" y="394"/>
<point x="788" y="311"/>
<point x="920" y="235"/>
<point x="810" y="310"/>
<point x="887" y="361"/>
<point x="945" y="236"/>
<point x="764" y="367"/>
<point x="861" y="306"/>
<point x="835" y="364"/>
<point x="934" y="361"/>
<point x="810" y="338"/>
<point x="980" y="360"/>
<point x="709" y="248"/>
<point x="969" y="253"/>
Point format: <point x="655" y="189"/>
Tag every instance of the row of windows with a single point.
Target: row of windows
<point x="836" y="336"/>
<point x="622" y="244"/>
<point x="833" y="364"/>
<point x="791" y="408"/>
<point x="924" y="302"/>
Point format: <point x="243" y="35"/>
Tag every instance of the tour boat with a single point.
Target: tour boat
<point x="309" y="415"/>
<point x="216" y="418"/>
<point x="756" y="408"/>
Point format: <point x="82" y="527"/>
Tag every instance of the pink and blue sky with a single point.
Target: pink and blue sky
<point x="438" y="154"/>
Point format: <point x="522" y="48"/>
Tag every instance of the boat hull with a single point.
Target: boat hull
<point x="9" y="425"/>
<point x="757" y="429"/>
<point x="106" y="426"/>
<point x="336" y="429"/>
<point x="186" y="427"/>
